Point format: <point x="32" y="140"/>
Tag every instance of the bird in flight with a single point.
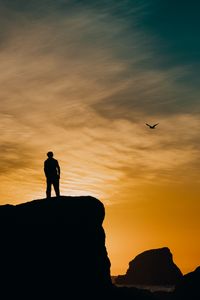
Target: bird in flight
<point x="152" y="126"/>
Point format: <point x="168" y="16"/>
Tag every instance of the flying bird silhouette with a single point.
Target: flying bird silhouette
<point x="152" y="126"/>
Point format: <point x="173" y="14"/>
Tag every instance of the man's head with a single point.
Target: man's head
<point x="50" y="154"/>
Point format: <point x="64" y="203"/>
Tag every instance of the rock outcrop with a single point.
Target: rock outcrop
<point x="152" y="267"/>
<point x="50" y="248"/>
<point x="189" y="286"/>
<point x="55" y="249"/>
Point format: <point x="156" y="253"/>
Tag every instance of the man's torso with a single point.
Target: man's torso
<point x="51" y="168"/>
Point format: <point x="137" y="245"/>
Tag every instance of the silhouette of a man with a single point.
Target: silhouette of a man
<point x="52" y="172"/>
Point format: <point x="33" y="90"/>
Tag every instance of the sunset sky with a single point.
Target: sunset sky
<point x="81" y="79"/>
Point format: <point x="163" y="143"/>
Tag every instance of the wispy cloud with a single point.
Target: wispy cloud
<point x="68" y="84"/>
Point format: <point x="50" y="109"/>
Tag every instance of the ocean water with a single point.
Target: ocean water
<point x="155" y="288"/>
<point x="152" y="288"/>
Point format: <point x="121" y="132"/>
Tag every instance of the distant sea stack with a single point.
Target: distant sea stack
<point x="52" y="247"/>
<point x="152" y="267"/>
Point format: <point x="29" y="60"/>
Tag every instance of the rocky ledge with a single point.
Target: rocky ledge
<point x="53" y="247"/>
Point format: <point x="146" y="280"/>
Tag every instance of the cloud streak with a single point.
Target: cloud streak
<point x="67" y="85"/>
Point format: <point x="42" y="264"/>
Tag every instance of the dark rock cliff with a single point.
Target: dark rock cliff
<point x="152" y="267"/>
<point x="55" y="249"/>
<point x="49" y="248"/>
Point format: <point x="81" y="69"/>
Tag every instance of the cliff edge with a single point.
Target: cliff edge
<point x="51" y="247"/>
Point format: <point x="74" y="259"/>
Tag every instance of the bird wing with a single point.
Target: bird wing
<point x="155" y="124"/>
<point x="148" y="125"/>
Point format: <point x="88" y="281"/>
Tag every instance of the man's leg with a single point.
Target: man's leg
<point x="56" y="186"/>
<point x="48" y="191"/>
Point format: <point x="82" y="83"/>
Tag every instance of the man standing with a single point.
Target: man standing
<point x="52" y="172"/>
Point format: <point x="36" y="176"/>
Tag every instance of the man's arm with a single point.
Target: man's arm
<point x="58" y="169"/>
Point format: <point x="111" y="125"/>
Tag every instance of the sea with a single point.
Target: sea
<point x="151" y="288"/>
